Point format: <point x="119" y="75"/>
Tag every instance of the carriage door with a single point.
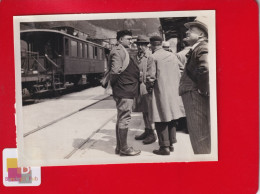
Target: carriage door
<point x="91" y="52"/>
<point x="66" y="53"/>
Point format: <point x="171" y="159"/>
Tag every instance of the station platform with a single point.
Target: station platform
<point x="88" y="135"/>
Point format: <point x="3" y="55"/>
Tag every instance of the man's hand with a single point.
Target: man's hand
<point x="149" y="87"/>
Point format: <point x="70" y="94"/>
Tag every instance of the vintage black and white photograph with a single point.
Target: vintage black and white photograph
<point x="116" y="88"/>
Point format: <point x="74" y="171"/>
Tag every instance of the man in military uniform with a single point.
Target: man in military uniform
<point x="141" y="102"/>
<point x="124" y="79"/>
<point x="194" y="88"/>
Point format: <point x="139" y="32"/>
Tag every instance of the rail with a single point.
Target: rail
<point x="63" y="117"/>
<point x="87" y="140"/>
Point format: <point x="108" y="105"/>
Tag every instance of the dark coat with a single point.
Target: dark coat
<point x="124" y="73"/>
<point x="196" y="72"/>
<point x="118" y="61"/>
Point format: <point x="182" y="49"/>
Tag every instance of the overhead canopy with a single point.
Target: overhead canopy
<point x="174" y="28"/>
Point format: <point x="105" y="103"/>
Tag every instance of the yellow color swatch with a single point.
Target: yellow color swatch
<point x="11" y="163"/>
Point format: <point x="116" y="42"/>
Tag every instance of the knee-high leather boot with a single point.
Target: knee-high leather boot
<point x="117" y="150"/>
<point x="124" y="149"/>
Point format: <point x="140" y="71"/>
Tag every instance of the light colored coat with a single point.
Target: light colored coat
<point x="166" y="104"/>
<point x="182" y="57"/>
<point x="141" y="102"/>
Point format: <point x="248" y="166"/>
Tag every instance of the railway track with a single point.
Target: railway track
<point x="87" y="140"/>
<point x="28" y="100"/>
<point x="64" y="117"/>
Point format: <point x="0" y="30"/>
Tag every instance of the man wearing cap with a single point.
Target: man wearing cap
<point x="166" y="46"/>
<point x="141" y="102"/>
<point x="194" y="88"/>
<point x="124" y="79"/>
<point x="166" y="105"/>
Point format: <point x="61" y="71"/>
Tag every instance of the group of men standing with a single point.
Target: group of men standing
<point x="151" y="82"/>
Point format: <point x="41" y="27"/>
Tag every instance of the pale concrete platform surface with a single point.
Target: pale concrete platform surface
<point x="36" y="115"/>
<point x="102" y="145"/>
<point x="88" y="136"/>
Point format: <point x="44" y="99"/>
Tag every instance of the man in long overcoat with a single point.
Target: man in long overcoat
<point x="194" y="88"/>
<point x="166" y="107"/>
<point x="141" y="102"/>
<point x="124" y="79"/>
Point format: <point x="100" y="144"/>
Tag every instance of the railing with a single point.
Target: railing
<point x="30" y="62"/>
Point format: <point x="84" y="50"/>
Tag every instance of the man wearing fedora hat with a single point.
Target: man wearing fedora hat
<point x="143" y="59"/>
<point x="166" y="105"/>
<point x="194" y="87"/>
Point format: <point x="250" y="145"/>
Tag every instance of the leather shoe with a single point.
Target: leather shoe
<point x="142" y="136"/>
<point x="162" y="151"/>
<point x="117" y="150"/>
<point x="129" y="152"/>
<point x="151" y="137"/>
<point x="171" y="148"/>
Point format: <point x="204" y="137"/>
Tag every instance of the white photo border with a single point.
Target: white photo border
<point x="17" y="20"/>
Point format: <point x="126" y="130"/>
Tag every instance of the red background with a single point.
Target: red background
<point x="237" y="101"/>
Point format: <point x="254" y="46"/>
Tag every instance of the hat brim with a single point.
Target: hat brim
<point x="197" y="24"/>
<point x="142" y="42"/>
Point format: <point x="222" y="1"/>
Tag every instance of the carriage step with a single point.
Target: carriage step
<point x="59" y="84"/>
<point x="38" y="86"/>
<point x="41" y="91"/>
<point x="68" y="85"/>
<point x="59" y="89"/>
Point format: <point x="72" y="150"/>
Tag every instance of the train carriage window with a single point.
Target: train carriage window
<point x="100" y="54"/>
<point x="95" y="52"/>
<point x="66" y="47"/>
<point x="85" y="51"/>
<point x="80" y="50"/>
<point x="90" y="51"/>
<point x="74" y="48"/>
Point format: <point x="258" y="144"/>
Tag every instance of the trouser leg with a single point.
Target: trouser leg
<point x="163" y="137"/>
<point x="182" y="125"/>
<point x="172" y="132"/>
<point x="147" y="122"/>
<point x="162" y="133"/>
<point x="124" y="109"/>
<point x="117" y="150"/>
<point x="146" y="130"/>
<point x="197" y="113"/>
<point x="150" y="136"/>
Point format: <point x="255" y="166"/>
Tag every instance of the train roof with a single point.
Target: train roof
<point x="61" y="33"/>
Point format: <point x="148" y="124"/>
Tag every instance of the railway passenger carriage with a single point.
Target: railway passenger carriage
<point x="53" y="60"/>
